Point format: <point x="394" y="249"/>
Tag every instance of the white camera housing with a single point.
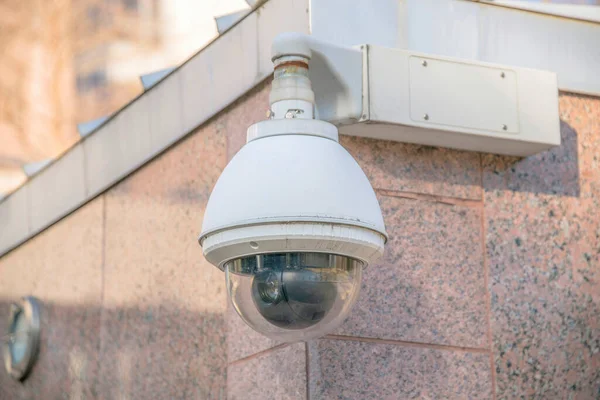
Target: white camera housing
<point x="293" y="219"/>
<point x="292" y="187"/>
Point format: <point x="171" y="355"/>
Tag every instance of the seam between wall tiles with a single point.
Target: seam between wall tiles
<point x="451" y="201"/>
<point x="260" y="354"/>
<point x="406" y="343"/>
<point x="103" y="255"/>
<point x="102" y="286"/>
<point x="307" y="370"/>
<point x="487" y="277"/>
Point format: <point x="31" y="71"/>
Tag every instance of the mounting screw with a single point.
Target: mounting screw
<point x="424" y="63"/>
<point x="293" y="113"/>
<point x="504" y="127"/>
<point x="502" y="75"/>
<point x="426" y="117"/>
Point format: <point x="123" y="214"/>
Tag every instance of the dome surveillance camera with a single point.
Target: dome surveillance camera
<point x="293" y="219"/>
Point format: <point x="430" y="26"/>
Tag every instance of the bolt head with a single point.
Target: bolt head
<point x="426" y="117"/>
<point x="502" y="74"/>
<point x="424" y="63"/>
<point x="504" y="127"/>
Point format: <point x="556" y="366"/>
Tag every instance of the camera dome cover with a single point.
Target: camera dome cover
<point x="293" y="296"/>
<point x="292" y="187"/>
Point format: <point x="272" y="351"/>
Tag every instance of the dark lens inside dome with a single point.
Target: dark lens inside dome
<point x="295" y="290"/>
<point x="269" y="287"/>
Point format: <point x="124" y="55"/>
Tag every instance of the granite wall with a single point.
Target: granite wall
<point x="489" y="287"/>
<point x="131" y="310"/>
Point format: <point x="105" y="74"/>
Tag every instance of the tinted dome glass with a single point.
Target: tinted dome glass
<point x="293" y="296"/>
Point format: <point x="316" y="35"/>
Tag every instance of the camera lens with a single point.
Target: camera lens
<point x="268" y="287"/>
<point x="293" y="296"/>
<point x="299" y="299"/>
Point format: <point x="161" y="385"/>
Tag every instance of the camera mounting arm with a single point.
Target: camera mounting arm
<point x="402" y="95"/>
<point x="335" y="71"/>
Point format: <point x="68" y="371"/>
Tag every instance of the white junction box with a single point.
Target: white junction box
<point x="427" y="99"/>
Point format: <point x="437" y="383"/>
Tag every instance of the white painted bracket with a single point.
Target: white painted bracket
<point x="413" y="97"/>
<point x="335" y="73"/>
<point x="447" y="102"/>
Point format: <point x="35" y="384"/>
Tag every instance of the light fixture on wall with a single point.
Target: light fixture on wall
<point x="23" y="337"/>
<point x="293" y="220"/>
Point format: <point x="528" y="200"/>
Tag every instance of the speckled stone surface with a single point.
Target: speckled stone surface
<point x="341" y="369"/>
<point x="163" y="328"/>
<point x="278" y="374"/>
<point x="420" y="169"/>
<point x="243" y="341"/>
<point x="62" y="268"/>
<point x="248" y="110"/>
<point x="430" y="286"/>
<point x="543" y="249"/>
<point x="138" y="313"/>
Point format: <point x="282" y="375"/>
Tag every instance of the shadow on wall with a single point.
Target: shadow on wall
<point x="160" y="352"/>
<point x="534" y="174"/>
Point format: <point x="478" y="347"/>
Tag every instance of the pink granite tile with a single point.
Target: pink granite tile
<point x="279" y="374"/>
<point x="248" y="110"/>
<point x="531" y="174"/>
<point x="162" y="352"/>
<point x="430" y="285"/>
<point x="243" y="341"/>
<point x="163" y="326"/>
<point x="419" y="169"/>
<point x="543" y="249"/>
<point x="67" y="365"/>
<point x="581" y="125"/>
<point x="62" y="268"/>
<point x="341" y="369"/>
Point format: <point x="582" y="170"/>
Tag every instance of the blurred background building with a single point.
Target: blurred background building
<point x="65" y="62"/>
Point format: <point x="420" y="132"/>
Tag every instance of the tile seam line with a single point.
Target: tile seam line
<point x="260" y="354"/>
<point x="487" y="279"/>
<point x="102" y="285"/>
<point x="433" y="198"/>
<point x="406" y="343"/>
<point x="307" y="359"/>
